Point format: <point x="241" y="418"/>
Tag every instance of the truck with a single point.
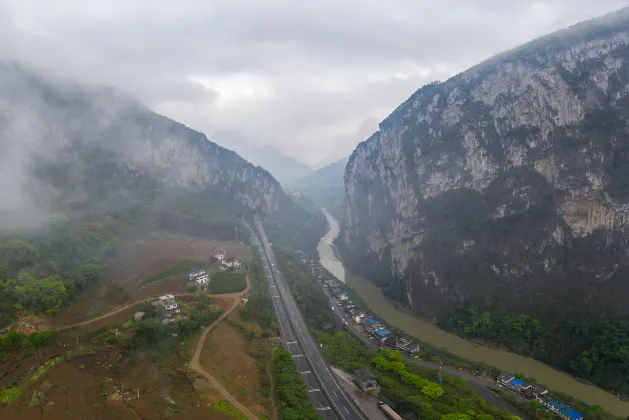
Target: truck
<point x="389" y="411"/>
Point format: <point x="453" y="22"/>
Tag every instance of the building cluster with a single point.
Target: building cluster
<point x="534" y="391"/>
<point x="167" y="307"/>
<point x="224" y="262"/>
<point x="374" y="328"/>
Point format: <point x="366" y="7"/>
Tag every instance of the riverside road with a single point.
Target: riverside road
<point x="327" y="395"/>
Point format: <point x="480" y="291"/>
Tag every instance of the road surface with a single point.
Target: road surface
<point x="328" y="396"/>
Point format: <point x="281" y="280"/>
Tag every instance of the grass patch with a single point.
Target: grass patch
<point x="228" y="282"/>
<point x="226" y="408"/>
<point x="182" y="266"/>
<point x="9" y="395"/>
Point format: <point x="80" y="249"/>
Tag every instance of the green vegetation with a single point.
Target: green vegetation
<point x="406" y="385"/>
<point x="226" y="408"/>
<point x="306" y="290"/>
<point x="44" y="274"/>
<point x="290" y="389"/>
<point x="9" y="395"/>
<point x="597" y="351"/>
<point x="14" y="340"/>
<point x="159" y="340"/>
<point x="181" y="267"/>
<point x="259" y="304"/>
<point x="393" y="361"/>
<point x="228" y="282"/>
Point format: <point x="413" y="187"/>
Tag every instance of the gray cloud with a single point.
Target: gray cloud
<point x="309" y="78"/>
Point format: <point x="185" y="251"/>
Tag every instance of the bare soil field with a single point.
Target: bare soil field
<point x="125" y="276"/>
<point x="85" y="387"/>
<point x="232" y="360"/>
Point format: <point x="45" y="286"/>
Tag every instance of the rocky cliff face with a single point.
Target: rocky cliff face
<point x="78" y="144"/>
<point x="506" y="186"/>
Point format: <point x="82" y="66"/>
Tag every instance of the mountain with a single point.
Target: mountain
<point x="99" y="135"/>
<point x="325" y="187"/>
<point x="84" y="168"/>
<point x="284" y="168"/>
<point x="505" y="190"/>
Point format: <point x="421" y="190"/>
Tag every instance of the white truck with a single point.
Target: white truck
<point x="389" y="411"/>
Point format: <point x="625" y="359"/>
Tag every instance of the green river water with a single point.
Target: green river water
<point x="431" y="334"/>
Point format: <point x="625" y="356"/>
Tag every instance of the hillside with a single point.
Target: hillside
<point x="325" y="187"/>
<point x="503" y="191"/>
<point x="85" y="168"/>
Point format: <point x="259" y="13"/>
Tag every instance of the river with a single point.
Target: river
<point x="431" y="334"/>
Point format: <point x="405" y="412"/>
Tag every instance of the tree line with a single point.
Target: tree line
<point x="594" y="350"/>
<point x="291" y="391"/>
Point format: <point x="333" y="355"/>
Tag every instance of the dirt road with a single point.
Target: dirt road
<point x="195" y="365"/>
<point x="110" y="313"/>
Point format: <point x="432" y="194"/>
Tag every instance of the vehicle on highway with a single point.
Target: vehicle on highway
<point x="389" y="411"/>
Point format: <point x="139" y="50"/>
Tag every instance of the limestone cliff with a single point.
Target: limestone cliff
<point x="506" y="186"/>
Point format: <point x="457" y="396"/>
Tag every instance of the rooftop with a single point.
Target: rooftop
<point x="197" y="273"/>
<point x="571" y="413"/>
<point x="517" y="382"/>
<point x="370" y="321"/>
<point x="382" y="332"/>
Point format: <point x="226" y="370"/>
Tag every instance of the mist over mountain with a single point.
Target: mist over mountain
<point x="283" y="168"/>
<point x="325" y="187"/>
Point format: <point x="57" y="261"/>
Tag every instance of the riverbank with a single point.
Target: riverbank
<point x="428" y="332"/>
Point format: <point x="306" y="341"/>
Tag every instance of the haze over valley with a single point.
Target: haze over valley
<point x="266" y="211"/>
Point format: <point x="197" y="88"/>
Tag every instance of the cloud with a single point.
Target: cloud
<point x="308" y="78"/>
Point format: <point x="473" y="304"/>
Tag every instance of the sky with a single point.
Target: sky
<point x="311" y="79"/>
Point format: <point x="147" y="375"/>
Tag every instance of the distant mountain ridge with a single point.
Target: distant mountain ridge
<point x="283" y="168"/>
<point x="326" y="187"/>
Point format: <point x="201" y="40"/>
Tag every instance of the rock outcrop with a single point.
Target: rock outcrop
<point x="506" y="186"/>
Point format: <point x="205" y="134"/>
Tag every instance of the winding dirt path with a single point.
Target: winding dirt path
<point x="195" y="364"/>
<point x="113" y="312"/>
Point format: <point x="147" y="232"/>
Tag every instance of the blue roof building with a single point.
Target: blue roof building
<point x="571" y="413"/>
<point x="370" y="321"/>
<point x="345" y="293"/>
<point x="382" y="332"/>
<point x="517" y="383"/>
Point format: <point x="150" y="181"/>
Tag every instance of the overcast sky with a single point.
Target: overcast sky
<point x="310" y="78"/>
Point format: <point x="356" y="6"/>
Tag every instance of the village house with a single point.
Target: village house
<point x="198" y="277"/>
<point x="382" y="334"/>
<point x="219" y="255"/>
<point x="366" y="380"/>
<point x="563" y="410"/>
<point x="169" y="303"/>
<point x="407" y="345"/>
<point x="371" y="325"/>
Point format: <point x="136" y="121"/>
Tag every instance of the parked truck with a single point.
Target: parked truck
<point x="389" y="411"/>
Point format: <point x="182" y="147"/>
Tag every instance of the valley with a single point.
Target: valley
<point x="430" y="333"/>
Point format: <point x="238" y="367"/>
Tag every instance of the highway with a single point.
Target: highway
<point x="327" y="395"/>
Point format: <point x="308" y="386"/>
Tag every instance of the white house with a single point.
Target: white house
<point x="198" y="277"/>
<point x="219" y="255"/>
<point x="168" y="302"/>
